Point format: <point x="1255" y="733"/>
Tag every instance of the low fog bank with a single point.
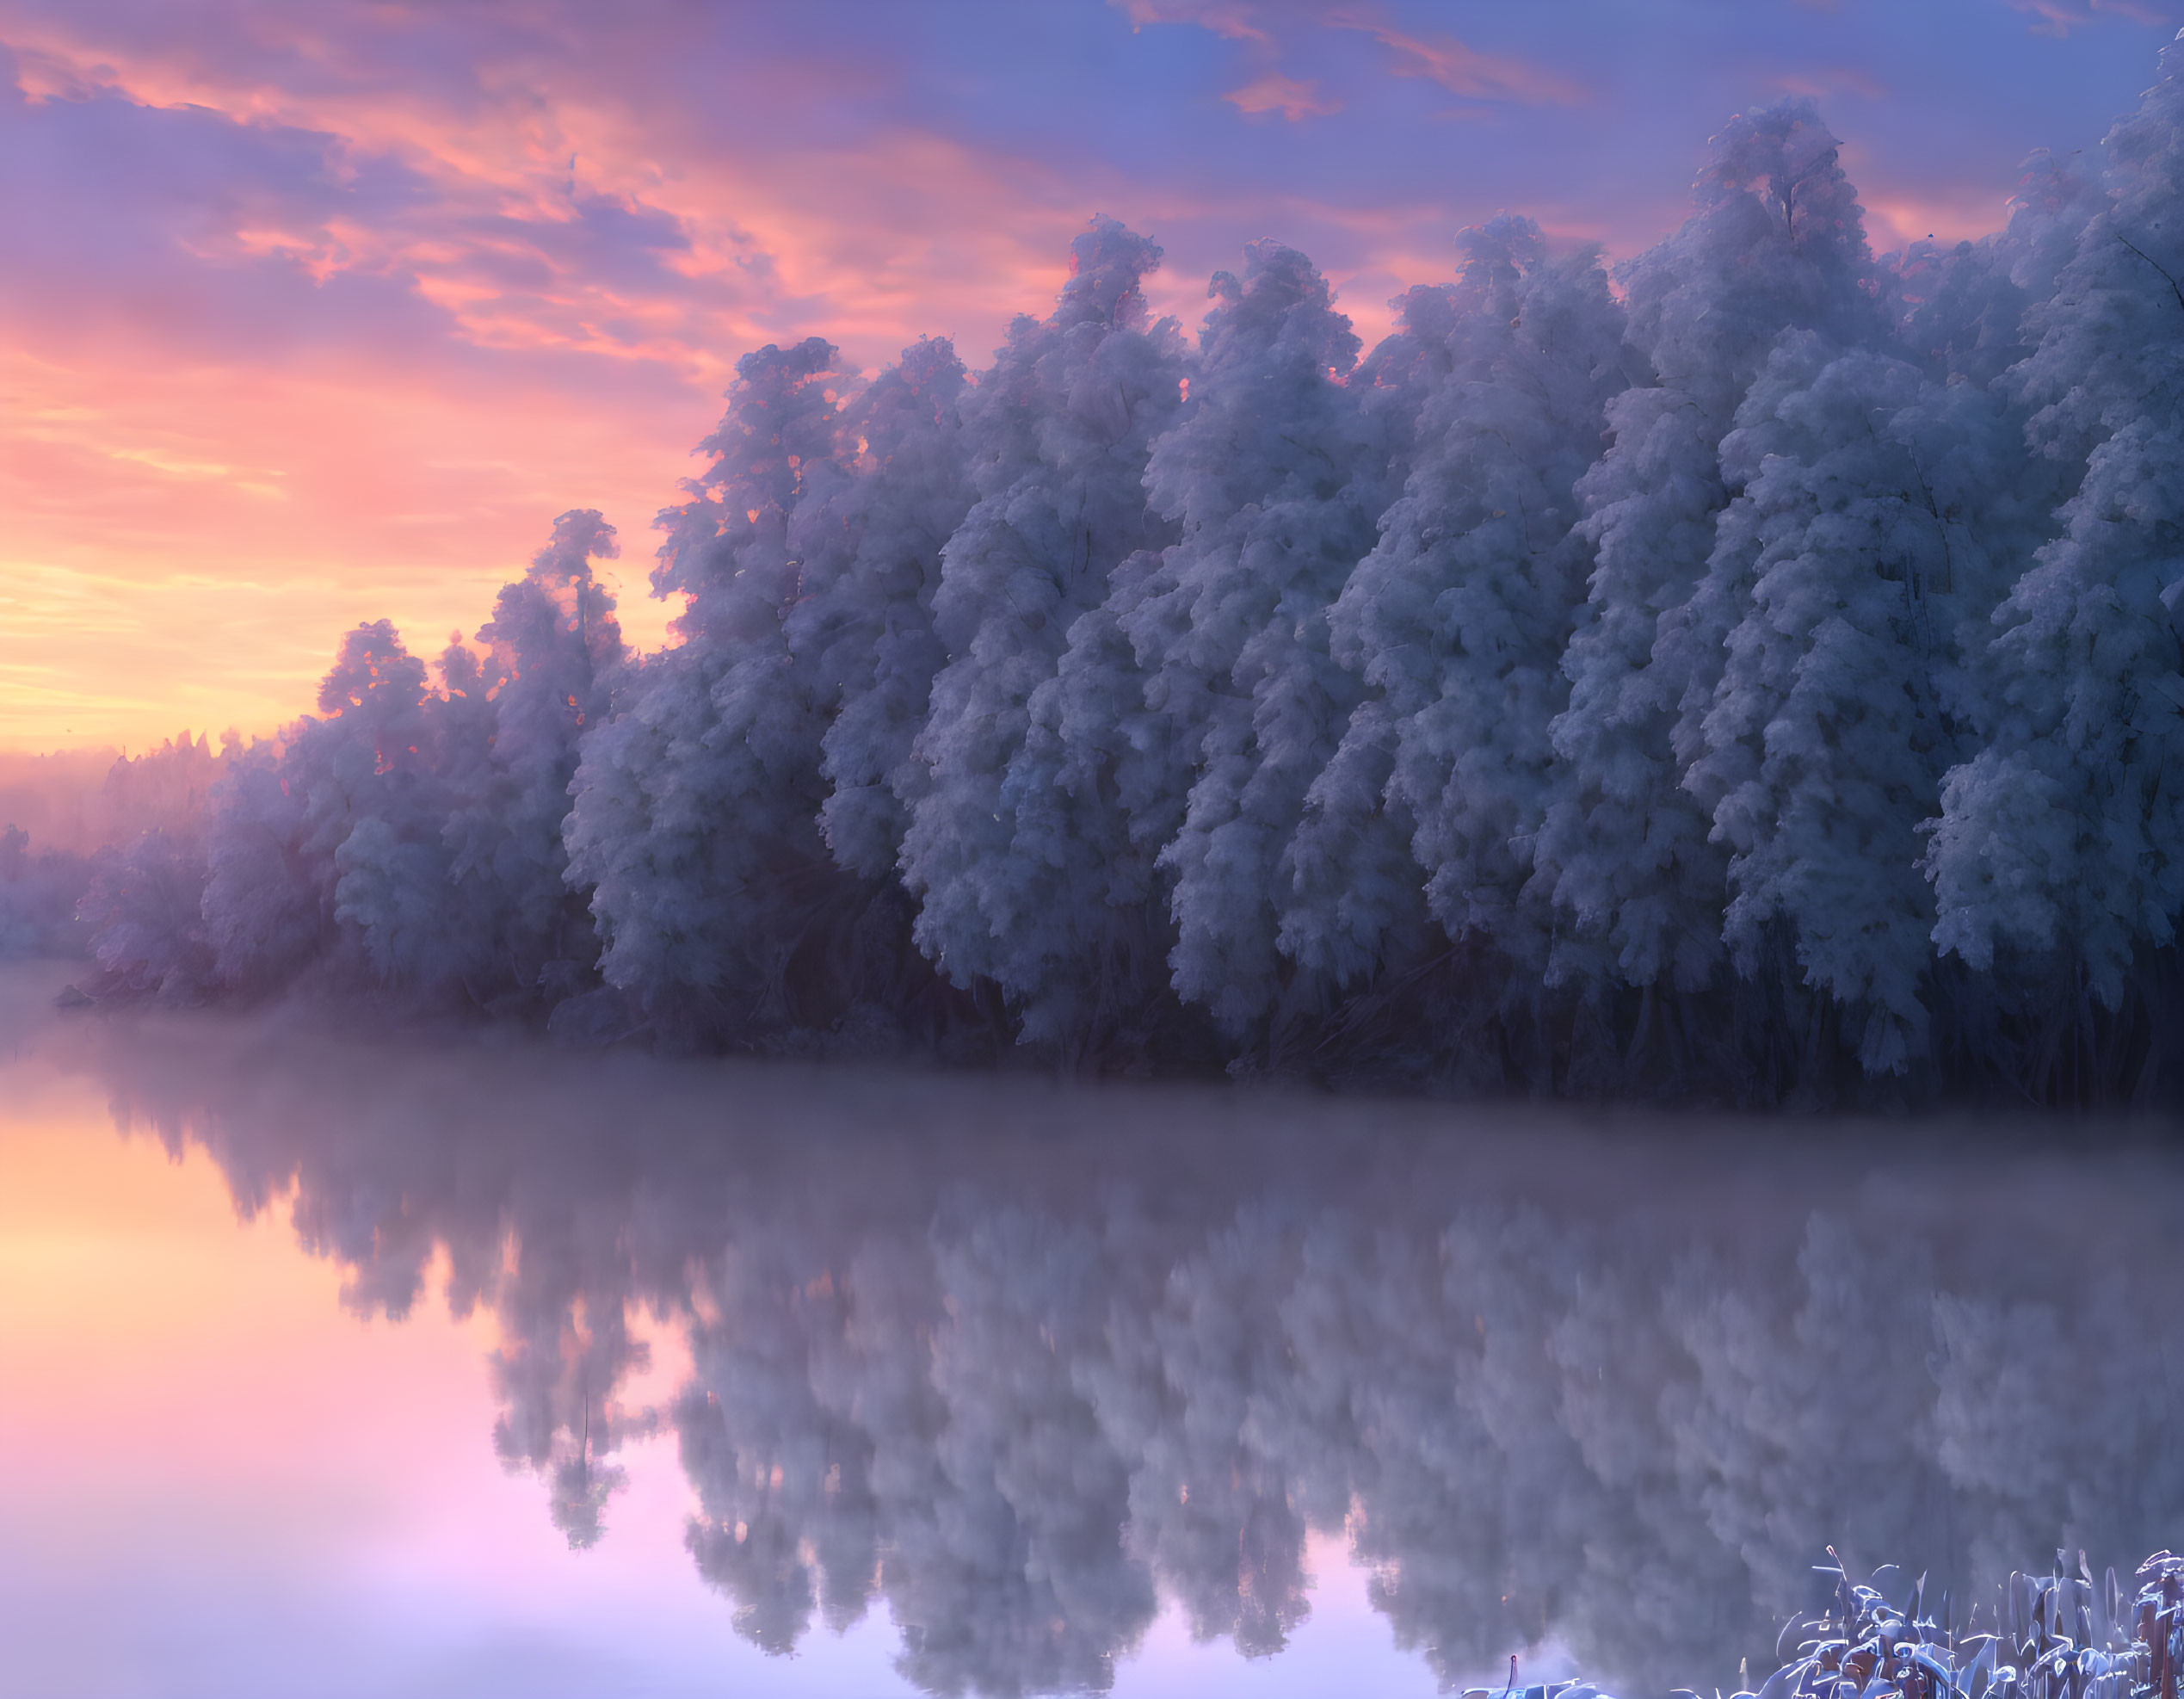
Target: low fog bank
<point x="55" y="798"/>
<point x="69" y="817"/>
<point x="1014" y="1361"/>
<point x="1748" y="678"/>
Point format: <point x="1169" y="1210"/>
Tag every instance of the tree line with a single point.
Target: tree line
<point x="1750" y="673"/>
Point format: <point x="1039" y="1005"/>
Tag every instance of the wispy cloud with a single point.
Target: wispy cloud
<point x="1823" y="82"/>
<point x="1234" y="19"/>
<point x="1460" y="68"/>
<point x="2059" y="17"/>
<point x="1275" y="93"/>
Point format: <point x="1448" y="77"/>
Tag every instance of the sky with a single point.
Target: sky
<point x="314" y="314"/>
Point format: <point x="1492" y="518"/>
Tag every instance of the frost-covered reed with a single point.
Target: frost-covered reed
<point x="2054" y="1636"/>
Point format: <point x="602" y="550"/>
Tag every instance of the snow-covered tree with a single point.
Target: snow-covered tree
<point x="1777" y="244"/>
<point x="136" y="903"/>
<point x="384" y="825"/>
<point x="509" y="724"/>
<point x="864" y="621"/>
<point x="996" y="851"/>
<point x="1962" y="307"/>
<point x="1276" y="482"/>
<point x="695" y="817"/>
<point x="1347" y="887"/>
<point x="1484" y="702"/>
<point x="1879" y="518"/>
<point x="262" y="909"/>
<point x="325" y="847"/>
<point x="2065" y="834"/>
<point x="1458" y="618"/>
<point x="144" y="902"/>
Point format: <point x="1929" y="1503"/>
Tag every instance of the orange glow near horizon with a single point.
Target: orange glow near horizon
<point x="170" y="566"/>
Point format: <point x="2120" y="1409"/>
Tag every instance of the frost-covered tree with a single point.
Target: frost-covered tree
<point x="1348" y="886"/>
<point x="864" y="622"/>
<point x="390" y="860"/>
<point x="1777" y="244"/>
<point x="509" y="721"/>
<point x="2065" y="834"/>
<point x="1458" y="617"/>
<point x="1962" y="308"/>
<point x="136" y="903"/>
<point x="695" y="817"/>
<point x="1002" y="847"/>
<point x="342" y="814"/>
<point x="144" y="902"/>
<point x="261" y="907"/>
<point x="39" y="892"/>
<point x="1879" y="518"/>
<point x="746" y="799"/>
<point x="1471" y="709"/>
<point x="1276" y="481"/>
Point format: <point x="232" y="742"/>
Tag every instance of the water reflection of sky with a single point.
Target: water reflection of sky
<point x="971" y="1386"/>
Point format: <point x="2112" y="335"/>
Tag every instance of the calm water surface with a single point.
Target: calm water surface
<point x="340" y="1367"/>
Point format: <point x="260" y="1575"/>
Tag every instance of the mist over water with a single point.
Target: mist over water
<point x="1011" y="1365"/>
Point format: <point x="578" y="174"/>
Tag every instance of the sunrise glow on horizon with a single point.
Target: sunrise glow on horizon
<point x="321" y="315"/>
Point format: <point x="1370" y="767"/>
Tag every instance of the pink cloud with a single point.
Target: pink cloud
<point x="1229" y="18"/>
<point x="1275" y="93"/>
<point x="2060" y="17"/>
<point x="1823" y="82"/>
<point x="871" y="242"/>
<point x="1460" y="68"/>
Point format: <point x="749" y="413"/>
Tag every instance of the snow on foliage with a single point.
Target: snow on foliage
<point x="695" y="818"/>
<point x="1757" y="676"/>
<point x="509" y="752"/>
<point x="1849" y="591"/>
<point x="2066" y="832"/>
<point x="1776" y="244"/>
<point x="1276" y="478"/>
<point x="1460" y="617"/>
<point x="867" y="622"/>
<point x="1014" y="849"/>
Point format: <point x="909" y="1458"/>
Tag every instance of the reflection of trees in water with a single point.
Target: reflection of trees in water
<point x="1617" y="1396"/>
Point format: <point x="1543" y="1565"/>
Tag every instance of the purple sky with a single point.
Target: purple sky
<point x="316" y="312"/>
